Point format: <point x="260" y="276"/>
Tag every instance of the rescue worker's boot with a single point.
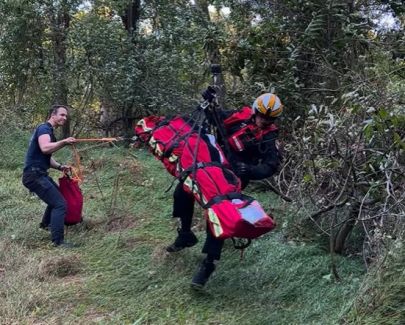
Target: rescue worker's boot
<point x="184" y="239"/>
<point x="201" y="277"/>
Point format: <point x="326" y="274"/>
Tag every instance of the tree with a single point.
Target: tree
<point x="59" y="17"/>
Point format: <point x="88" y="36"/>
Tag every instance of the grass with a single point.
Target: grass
<point x="121" y="273"/>
<point x="381" y="299"/>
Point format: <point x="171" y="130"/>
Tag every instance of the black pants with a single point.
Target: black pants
<point x="183" y="208"/>
<point x="47" y="190"/>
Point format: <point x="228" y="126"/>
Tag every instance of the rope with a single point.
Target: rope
<point x="97" y="140"/>
<point x="77" y="172"/>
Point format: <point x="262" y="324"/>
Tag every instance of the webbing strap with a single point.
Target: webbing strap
<point x="229" y="196"/>
<point x="176" y="133"/>
<point x="196" y="122"/>
<point x="199" y="165"/>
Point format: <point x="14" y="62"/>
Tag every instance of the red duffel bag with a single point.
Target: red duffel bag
<point x="69" y="187"/>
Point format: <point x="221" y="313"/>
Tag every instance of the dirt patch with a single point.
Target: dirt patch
<point x="120" y="223"/>
<point x="96" y="164"/>
<point x="89" y="224"/>
<point x="134" y="169"/>
<point x="59" y="266"/>
<point x="73" y="279"/>
<point x="160" y="254"/>
<point x="132" y="166"/>
<point x="128" y="243"/>
<point x="93" y="316"/>
<point x="178" y="262"/>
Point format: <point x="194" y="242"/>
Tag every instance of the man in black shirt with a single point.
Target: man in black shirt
<point x="35" y="175"/>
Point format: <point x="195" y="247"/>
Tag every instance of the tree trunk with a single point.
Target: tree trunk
<point x="213" y="54"/>
<point x="130" y="19"/>
<point x="60" y="20"/>
<point x="131" y="15"/>
<point x="346" y="229"/>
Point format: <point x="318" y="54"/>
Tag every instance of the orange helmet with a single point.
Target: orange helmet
<point x="268" y="105"/>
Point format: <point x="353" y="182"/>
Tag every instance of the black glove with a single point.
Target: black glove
<point x="242" y="169"/>
<point x="209" y="94"/>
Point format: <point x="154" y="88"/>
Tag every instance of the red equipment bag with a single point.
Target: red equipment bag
<point x="69" y="187"/>
<point x="145" y="126"/>
<point x="241" y="218"/>
<point x="165" y="137"/>
<point x="217" y="189"/>
<point x="198" y="160"/>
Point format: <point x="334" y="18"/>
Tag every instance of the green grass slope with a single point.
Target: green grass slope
<point x="121" y="273"/>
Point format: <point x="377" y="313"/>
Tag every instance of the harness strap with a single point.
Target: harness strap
<point x="229" y="196"/>
<point x="177" y="137"/>
<point x="199" y="165"/>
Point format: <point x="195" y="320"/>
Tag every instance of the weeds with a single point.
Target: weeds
<point x="122" y="274"/>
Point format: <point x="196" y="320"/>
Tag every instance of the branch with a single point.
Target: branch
<point x="328" y="208"/>
<point x="273" y="189"/>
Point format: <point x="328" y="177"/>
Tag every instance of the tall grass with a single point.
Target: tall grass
<point x="122" y="274"/>
<point x="381" y="298"/>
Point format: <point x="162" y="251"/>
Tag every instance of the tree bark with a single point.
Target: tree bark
<point x="60" y="20"/>
<point x="130" y="19"/>
<point x="131" y="15"/>
<point x="213" y="54"/>
<point x="345" y="230"/>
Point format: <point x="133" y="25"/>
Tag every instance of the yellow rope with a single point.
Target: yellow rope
<point x="76" y="169"/>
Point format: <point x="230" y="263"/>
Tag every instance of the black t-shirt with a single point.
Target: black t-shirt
<point x="35" y="158"/>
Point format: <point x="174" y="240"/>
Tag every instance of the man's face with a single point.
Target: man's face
<point x="60" y="116"/>
<point x="262" y="121"/>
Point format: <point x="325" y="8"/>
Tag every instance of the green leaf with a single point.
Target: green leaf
<point x="383" y="114"/>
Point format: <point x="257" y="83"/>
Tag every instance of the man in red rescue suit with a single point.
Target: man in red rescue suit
<point x="251" y="135"/>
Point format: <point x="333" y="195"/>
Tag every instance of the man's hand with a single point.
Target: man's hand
<point x="69" y="140"/>
<point x="65" y="168"/>
<point x="209" y="94"/>
<point x="242" y="169"/>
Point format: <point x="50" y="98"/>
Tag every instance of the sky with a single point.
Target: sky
<point x="385" y="21"/>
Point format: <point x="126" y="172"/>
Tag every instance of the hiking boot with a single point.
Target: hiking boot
<point x="65" y="244"/>
<point x="184" y="239"/>
<point x="43" y="226"/>
<point x="202" y="275"/>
